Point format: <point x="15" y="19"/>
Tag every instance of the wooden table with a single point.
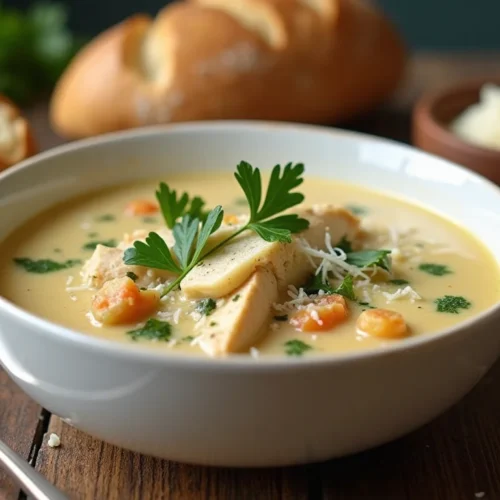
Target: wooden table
<point x="455" y="457"/>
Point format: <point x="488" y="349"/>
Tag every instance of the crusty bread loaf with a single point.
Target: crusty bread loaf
<point x="16" y="137"/>
<point x="295" y="60"/>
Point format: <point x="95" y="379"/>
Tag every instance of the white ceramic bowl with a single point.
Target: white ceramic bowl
<point x="246" y="412"/>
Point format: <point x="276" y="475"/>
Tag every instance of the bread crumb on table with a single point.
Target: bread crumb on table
<point x="54" y="441"/>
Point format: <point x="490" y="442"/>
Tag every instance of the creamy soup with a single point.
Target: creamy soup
<point x="434" y="273"/>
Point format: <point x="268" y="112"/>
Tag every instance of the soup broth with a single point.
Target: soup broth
<point x="440" y="274"/>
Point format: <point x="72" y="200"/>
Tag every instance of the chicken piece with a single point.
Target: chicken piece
<point x="231" y="266"/>
<point x="244" y="316"/>
<point x="107" y="264"/>
<point x="120" y="302"/>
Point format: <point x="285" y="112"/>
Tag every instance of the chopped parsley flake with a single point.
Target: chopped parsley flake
<point x="399" y="282"/>
<point x="132" y="276"/>
<point x="105" y="218"/>
<point x="316" y="283"/>
<point x="154" y="329"/>
<point x="296" y="347"/>
<point x="213" y="323"/>
<point x="150" y="220"/>
<point x="92" y="245"/>
<point x="93" y="235"/>
<point x="236" y="298"/>
<point x="366" y="304"/>
<point x="188" y="338"/>
<point x="206" y="306"/>
<point x="370" y="258"/>
<point x="435" y="269"/>
<point x="451" y="304"/>
<point x="284" y="317"/>
<point x="57" y="250"/>
<point x="357" y="209"/>
<point x="44" y="266"/>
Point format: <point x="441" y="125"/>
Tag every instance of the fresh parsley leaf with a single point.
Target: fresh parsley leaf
<point x="173" y="207"/>
<point x="154" y="329"/>
<point x="346" y="288"/>
<point x="154" y="253"/>
<point x="132" y="276"/>
<point x="191" y="237"/>
<point x="206" y="306"/>
<point x="211" y="224"/>
<point x="196" y="209"/>
<point x="185" y="235"/>
<point x="280" y="228"/>
<point x="43" y="266"/>
<point x="357" y="209"/>
<point x="398" y="281"/>
<point x="283" y="317"/>
<point x="92" y="245"/>
<point x="451" y="304"/>
<point x="296" y="347"/>
<point x="278" y="199"/>
<point x="315" y="284"/>
<point x="435" y="269"/>
<point x="370" y="258"/>
<point x="105" y="218"/>
<point x="345" y="245"/>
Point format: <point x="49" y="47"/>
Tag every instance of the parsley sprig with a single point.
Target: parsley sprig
<point x="191" y="233"/>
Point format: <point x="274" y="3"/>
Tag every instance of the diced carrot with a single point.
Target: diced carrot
<point x="382" y="323"/>
<point x="231" y="219"/>
<point x="321" y="315"/>
<point x="141" y="207"/>
<point x="121" y="302"/>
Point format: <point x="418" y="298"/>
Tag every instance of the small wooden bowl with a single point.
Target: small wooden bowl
<point x="432" y="116"/>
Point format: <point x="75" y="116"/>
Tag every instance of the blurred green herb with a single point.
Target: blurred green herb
<point x="35" y="47"/>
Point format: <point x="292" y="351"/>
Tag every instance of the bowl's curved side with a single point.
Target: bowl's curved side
<point x="247" y="418"/>
<point x="246" y="413"/>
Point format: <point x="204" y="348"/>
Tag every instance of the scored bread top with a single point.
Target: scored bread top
<point x="297" y="60"/>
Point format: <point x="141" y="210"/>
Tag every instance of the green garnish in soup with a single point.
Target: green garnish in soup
<point x="43" y="266"/>
<point x="451" y="304"/>
<point x="288" y="272"/>
<point x="435" y="269"/>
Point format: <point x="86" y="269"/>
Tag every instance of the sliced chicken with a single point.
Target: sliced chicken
<point x="107" y="263"/>
<point x="243" y="318"/>
<point x="231" y="266"/>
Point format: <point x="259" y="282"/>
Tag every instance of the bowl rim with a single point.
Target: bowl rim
<point x="137" y="353"/>
<point x="425" y="122"/>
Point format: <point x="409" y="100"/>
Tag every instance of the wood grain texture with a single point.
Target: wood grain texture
<point x="88" y="469"/>
<point x="19" y="423"/>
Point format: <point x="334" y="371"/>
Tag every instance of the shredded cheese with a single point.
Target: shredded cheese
<point x="402" y="293"/>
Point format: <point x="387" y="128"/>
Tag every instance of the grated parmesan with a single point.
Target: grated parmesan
<point x="402" y="293"/>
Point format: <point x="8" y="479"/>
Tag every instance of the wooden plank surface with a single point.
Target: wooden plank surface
<point x="455" y="457"/>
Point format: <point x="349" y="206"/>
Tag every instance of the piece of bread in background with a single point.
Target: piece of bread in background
<point x="16" y="137"/>
<point x="317" y="61"/>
